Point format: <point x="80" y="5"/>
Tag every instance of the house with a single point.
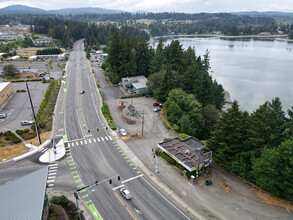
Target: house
<point x="135" y="84"/>
<point x="15" y="58"/>
<point x="34" y="57"/>
<point x="43" y="41"/>
<point x="188" y="152"/>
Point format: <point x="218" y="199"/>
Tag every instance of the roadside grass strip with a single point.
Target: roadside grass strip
<point x="95" y="213"/>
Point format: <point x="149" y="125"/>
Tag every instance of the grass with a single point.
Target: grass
<point x="12" y="151"/>
<point x="44" y="137"/>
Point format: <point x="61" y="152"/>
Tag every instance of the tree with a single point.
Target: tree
<point x="211" y="116"/>
<point x="227" y="139"/>
<point x="10" y="70"/>
<point x="273" y="170"/>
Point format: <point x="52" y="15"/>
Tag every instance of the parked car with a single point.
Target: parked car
<point x="122" y="132"/>
<point x="82" y="92"/>
<point x="3" y="116"/>
<point x="125" y="193"/>
<point x="157" y="109"/>
<point x="26" y="122"/>
<point x="156" y="104"/>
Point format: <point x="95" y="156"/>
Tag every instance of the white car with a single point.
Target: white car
<point x="127" y="195"/>
<point x="122" y="132"/>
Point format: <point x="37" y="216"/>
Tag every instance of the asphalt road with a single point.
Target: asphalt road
<point x="93" y="155"/>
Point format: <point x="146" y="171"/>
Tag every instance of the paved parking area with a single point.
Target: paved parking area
<point x="18" y="108"/>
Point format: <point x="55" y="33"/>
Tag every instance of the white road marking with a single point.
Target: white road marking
<point x="51" y="177"/>
<point x="165" y="198"/>
<point x="72" y="144"/>
<point x="117" y="187"/>
<point x="68" y="145"/>
<point x="50" y="174"/>
<point x="102" y="138"/>
<point x="53" y="165"/>
<point x="51" y="185"/>
<point x="85" y="142"/>
<point x="98" y="139"/>
<point x="50" y="181"/>
<point x="110" y="137"/>
<point x="132" y="178"/>
<point x="49" y="188"/>
<point x="90" y="141"/>
<point x="81" y="143"/>
<point x="95" y="140"/>
<point x="53" y="170"/>
<point x="76" y="143"/>
<point x="106" y="138"/>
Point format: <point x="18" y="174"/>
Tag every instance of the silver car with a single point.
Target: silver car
<point x="125" y="193"/>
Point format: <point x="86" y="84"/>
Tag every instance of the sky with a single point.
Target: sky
<point x="187" y="6"/>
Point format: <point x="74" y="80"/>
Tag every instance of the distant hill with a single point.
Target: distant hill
<point x="22" y="9"/>
<point x="267" y="13"/>
<point x="89" y="10"/>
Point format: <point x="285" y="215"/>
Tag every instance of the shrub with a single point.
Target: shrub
<point x="180" y="167"/>
<point x="19" y="132"/>
<point x="51" y="208"/>
<point x="16" y="77"/>
<point x="8" y="77"/>
<point x="26" y="130"/>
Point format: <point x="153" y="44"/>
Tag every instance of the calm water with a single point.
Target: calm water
<point x="253" y="71"/>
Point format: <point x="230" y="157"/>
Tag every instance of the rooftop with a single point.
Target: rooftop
<point x="3" y="85"/>
<point x="189" y="152"/>
<point x="23" y="198"/>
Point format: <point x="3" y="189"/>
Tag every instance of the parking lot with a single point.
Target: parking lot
<point x="18" y="107"/>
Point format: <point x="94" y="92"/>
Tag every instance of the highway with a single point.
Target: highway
<point x="93" y="155"/>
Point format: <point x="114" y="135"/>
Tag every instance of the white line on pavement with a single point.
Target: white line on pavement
<point x="98" y="139"/>
<point x="85" y="142"/>
<point x="50" y="174"/>
<point x="132" y="178"/>
<point x="102" y="138"/>
<point x="76" y="143"/>
<point x="106" y="138"/>
<point x="51" y="185"/>
<point x="50" y="181"/>
<point x="110" y="137"/>
<point x="53" y="170"/>
<point x="51" y="177"/>
<point x="117" y="187"/>
<point x="81" y="142"/>
<point x="90" y="141"/>
<point x="95" y="140"/>
<point x="72" y="144"/>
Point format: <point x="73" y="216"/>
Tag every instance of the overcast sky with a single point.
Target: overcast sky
<point x="188" y="6"/>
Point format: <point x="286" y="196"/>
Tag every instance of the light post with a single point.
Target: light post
<point x="157" y="165"/>
<point x="77" y="204"/>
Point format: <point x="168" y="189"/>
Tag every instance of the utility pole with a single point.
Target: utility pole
<point x="37" y="130"/>
<point x="142" y="122"/>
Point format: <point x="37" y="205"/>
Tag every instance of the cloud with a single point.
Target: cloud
<point x="189" y="6"/>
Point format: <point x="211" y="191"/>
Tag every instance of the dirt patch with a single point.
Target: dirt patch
<point x="59" y="212"/>
<point x="132" y="136"/>
<point x="129" y="121"/>
<point x="12" y="151"/>
<point x="225" y="186"/>
<point x="268" y="199"/>
<point x="26" y="75"/>
<point x="44" y="137"/>
<point x="121" y="107"/>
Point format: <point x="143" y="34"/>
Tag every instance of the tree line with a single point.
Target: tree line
<point x="257" y="146"/>
<point x="49" y="51"/>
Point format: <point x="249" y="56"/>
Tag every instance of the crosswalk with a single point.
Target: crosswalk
<point x="75" y="143"/>
<point x="52" y="172"/>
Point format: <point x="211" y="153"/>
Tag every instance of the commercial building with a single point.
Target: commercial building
<point x="15" y="58"/>
<point x="135" y="84"/>
<point x="25" y="198"/>
<point x="6" y="91"/>
<point x="189" y="153"/>
<point x="41" y="41"/>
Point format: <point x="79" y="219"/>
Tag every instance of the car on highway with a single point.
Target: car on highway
<point x="3" y="116"/>
<point x="125" y="193"/>
<point x="122" y="132"/>
<point x="157" y="109"/>
<point x="82" y="92"/>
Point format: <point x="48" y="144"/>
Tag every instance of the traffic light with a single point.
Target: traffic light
<point x="110" y="181"/>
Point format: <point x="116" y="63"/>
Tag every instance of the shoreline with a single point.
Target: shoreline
<point x="279" y="37"/>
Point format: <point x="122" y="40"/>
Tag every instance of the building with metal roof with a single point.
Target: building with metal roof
<point x="189" y="152"/>
<point x="135" y="84"/>
<point x="25" y="198"/>
<point x="6" y="91"/>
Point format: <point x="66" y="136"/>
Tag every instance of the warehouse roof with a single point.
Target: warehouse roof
<point x="23" y="198"/>
<point x="3" y="85"/>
